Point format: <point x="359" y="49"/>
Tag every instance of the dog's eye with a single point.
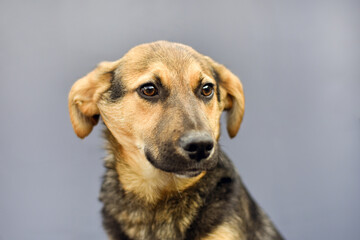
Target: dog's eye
<point x="149" y="90"/>
<point x="207" y="90"/>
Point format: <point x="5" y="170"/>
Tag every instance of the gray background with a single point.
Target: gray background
<point x="297" y="150"/>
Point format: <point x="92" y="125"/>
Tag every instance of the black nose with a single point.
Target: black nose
<point x="197" y="145"/>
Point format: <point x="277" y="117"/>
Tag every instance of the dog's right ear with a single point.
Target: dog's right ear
<point x="234" y="101"/>
<point x="84" y="95"/>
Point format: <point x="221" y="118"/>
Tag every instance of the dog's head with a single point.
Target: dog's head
<point x="164" y="100"/>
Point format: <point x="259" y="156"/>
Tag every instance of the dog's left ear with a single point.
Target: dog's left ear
<point x="84" y="95"/>
<point x="233" y="101"/>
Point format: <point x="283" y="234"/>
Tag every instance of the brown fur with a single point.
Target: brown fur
<point x="144" y="193"/>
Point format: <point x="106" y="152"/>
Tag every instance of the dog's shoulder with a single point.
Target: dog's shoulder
<point x="229" y="211"/>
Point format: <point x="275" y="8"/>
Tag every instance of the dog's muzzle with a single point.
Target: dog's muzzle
<point x="192" y="153"/>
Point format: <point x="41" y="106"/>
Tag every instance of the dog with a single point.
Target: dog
<point x="166" y="176"/>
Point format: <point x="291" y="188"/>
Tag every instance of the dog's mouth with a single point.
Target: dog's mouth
<point x="180" y="166"/>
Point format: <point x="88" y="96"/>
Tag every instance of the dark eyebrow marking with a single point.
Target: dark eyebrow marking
<point x="158" y="80"/>
<point x="217" y="80"/>
<point x="117" y="90"/>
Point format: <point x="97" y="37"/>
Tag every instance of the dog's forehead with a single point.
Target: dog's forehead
<point x="168" y="61"/>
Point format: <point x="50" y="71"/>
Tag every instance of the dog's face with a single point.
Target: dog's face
<point x="163" y="100"/>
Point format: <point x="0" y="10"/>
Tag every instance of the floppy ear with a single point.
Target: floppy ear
<point x="234" y="101"/>
<point x="84" y="95"/>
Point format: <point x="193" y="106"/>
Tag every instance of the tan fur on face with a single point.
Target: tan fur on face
<point x="132" y="120"/>
<point x="135" y="172"/>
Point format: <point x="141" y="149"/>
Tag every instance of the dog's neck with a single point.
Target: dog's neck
<point x="137" y="175"/>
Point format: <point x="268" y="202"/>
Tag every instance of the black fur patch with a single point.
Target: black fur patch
<point x="117" y="90"/>
<point x="214" y="211"/>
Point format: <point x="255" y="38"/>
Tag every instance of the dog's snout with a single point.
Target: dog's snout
<point x="197" y="145"/>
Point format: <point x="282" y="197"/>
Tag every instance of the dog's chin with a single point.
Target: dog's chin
<point x="188" y="174"/>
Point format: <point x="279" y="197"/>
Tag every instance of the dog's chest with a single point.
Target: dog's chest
<point x="167" y="220"/>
